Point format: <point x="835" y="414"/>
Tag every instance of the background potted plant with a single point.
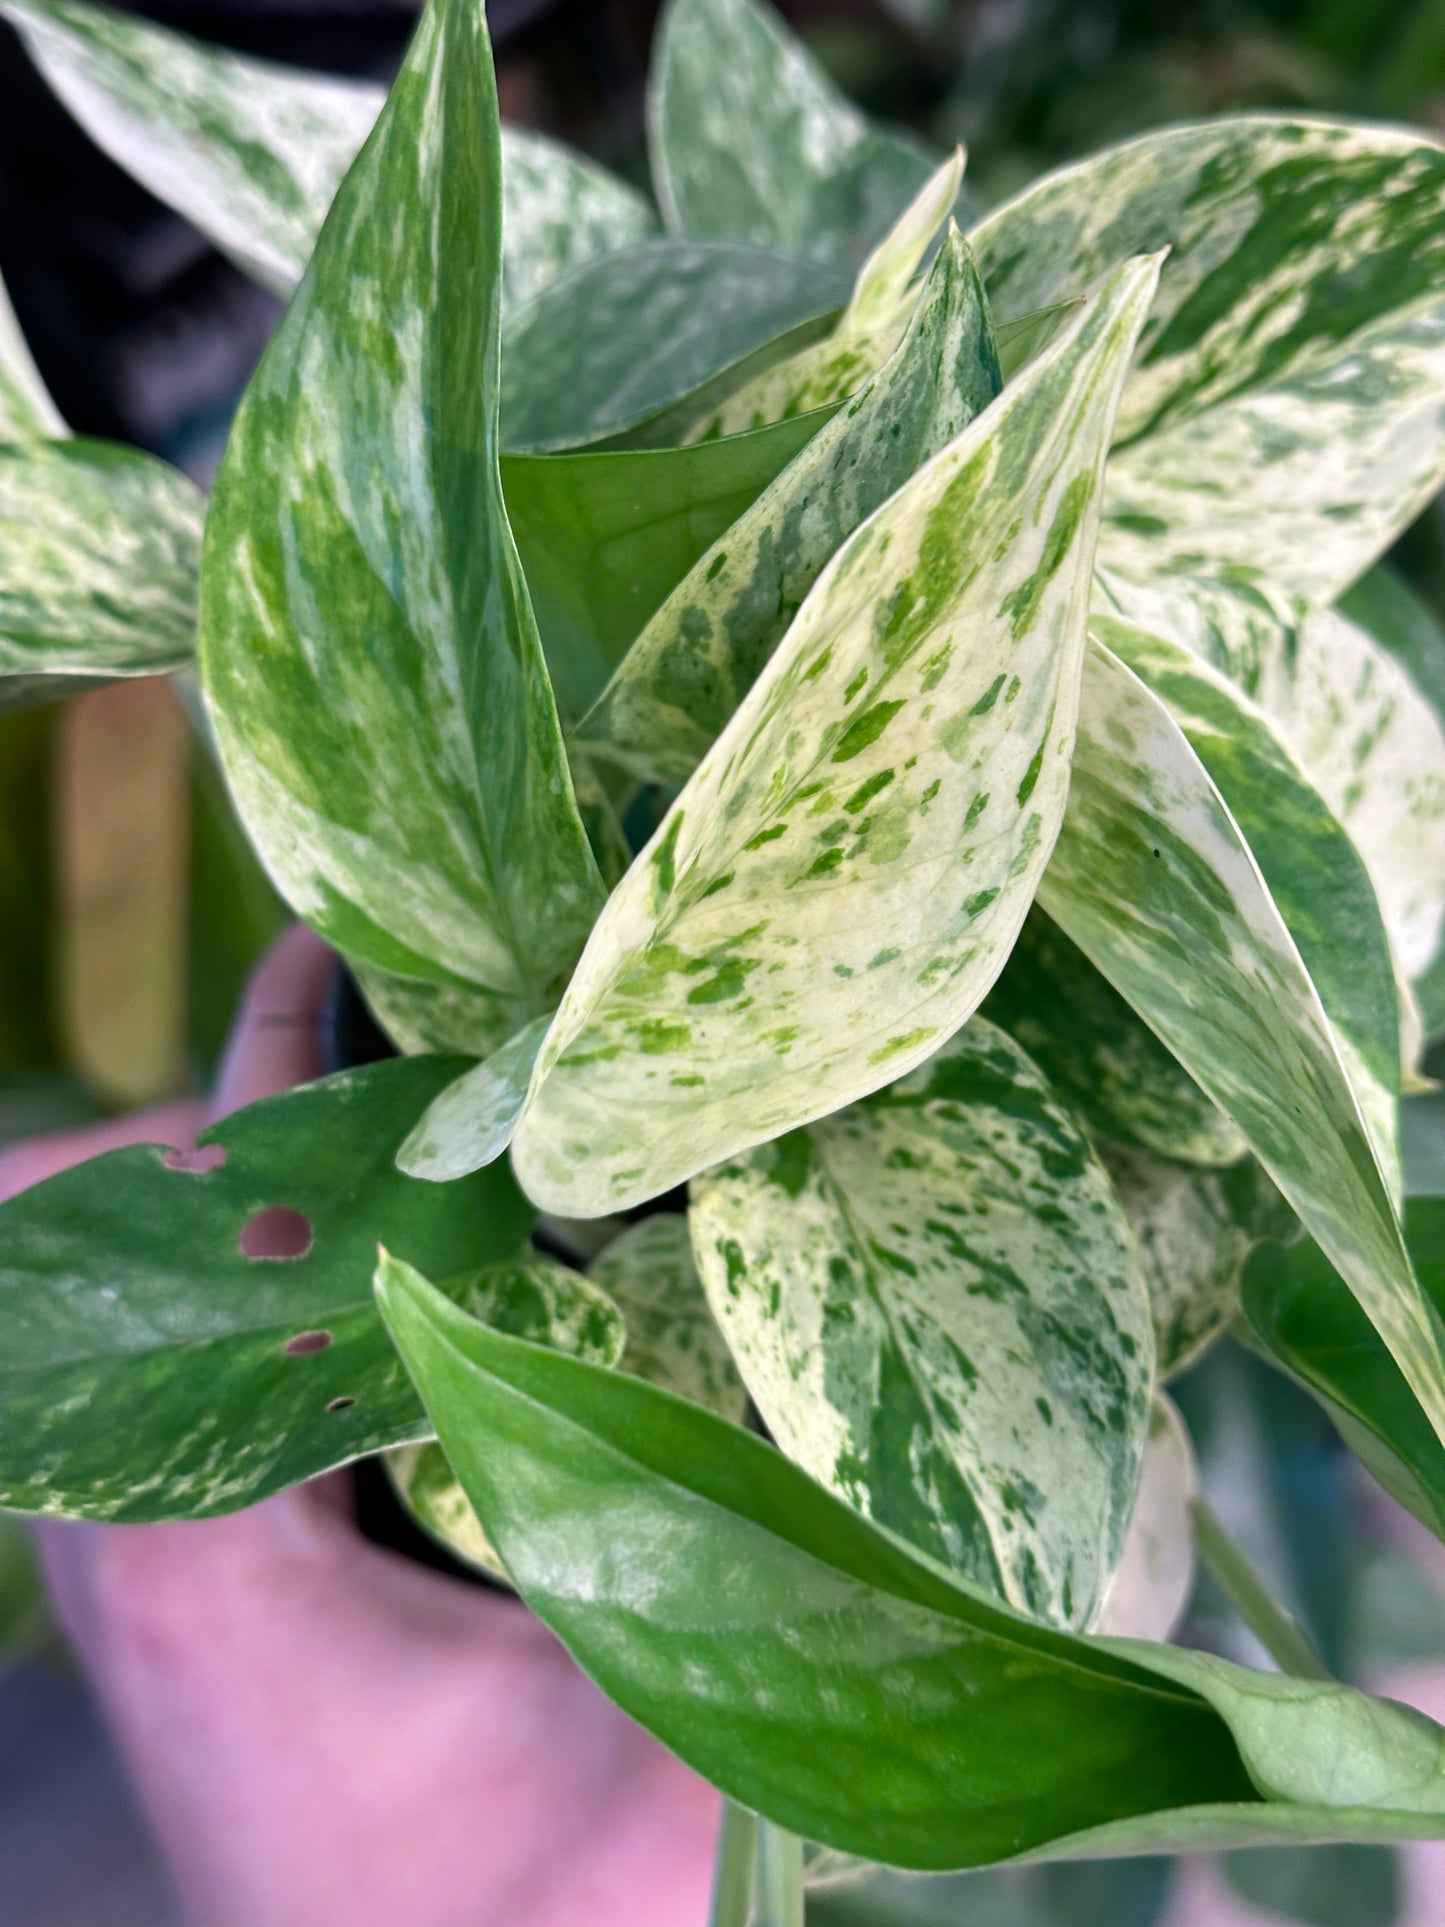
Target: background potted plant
<point x="885" y="719"/>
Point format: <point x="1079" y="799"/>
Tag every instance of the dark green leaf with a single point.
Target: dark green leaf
<point x="1304" y="1316"/>
<point x="149" y="1369"/>
<point x="816" y="1670"/>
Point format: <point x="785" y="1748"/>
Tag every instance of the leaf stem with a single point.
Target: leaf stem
<point x="732" y="1874"/>
<point x="780" y="1878"/>
<point x="1276" y="1629"/>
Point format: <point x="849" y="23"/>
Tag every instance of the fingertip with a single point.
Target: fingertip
<point x="277" y="1041"/>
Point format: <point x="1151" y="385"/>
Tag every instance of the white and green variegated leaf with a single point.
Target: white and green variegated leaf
<point x="1288" y="410"/>
<point x="1312" y="869"/>
<point x="937" y="1306"/>
<point x="869" y="328"/>
<point x="26" y="411"/>
<point x="1371" y="741"/>
<point x="472" y="1121"/>
<point x="411" y="798"/>
<point x="635" y="335"/>
<point x="1153" y="880"/>
<point x="559" y="211"/>
<point x="99" y="558"/>
<point x="1194" y="1230"/>
<point x="434" y="1013"/>
<point x="673" y="1340"/>
<point x="1150" y="1589"/>
<point x="252" y="154"/>
<point x="676" y="688"/>
<point x="751" y="141"/>
<point x="1349" y="709"/>
<point x="533" y="1298"/>
<point x="837" y="886"/>
<point x="1385" y="605"/>
<point x="1098" y="1052"/>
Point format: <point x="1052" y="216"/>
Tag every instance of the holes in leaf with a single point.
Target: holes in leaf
<point x="275" y="1233"/>
<point x="342" y="1404"/>
<point x="306" y="1342"/>
<point x="210" y="1157"/>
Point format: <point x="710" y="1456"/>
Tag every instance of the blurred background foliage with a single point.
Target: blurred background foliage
<point x="131" y="907"/>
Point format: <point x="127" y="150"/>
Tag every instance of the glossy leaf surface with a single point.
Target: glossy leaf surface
<point x="252" y="153"/>
<point x="532" y="1298"/>
<point x="688" y="670"/>
<point x="471" y="1123"/>
<point x="625" y="337"/>
<point x="1303" y="1315"/>
<point x="1152" y="879"/>
<point x="937" y="1306"/>
<point x="125" y="1291"/>
<point x="868" y="330"/>
<point x="99" y="556"/>
<point x="1370" y="740"/>
<point x="1288" y="408"/>
<point x="830" y="1690"/>
<point x="1101" y="1055"/>
<point x="642" y="1303"/>
<point x="606" y="535"/>
<point x="411" y="799"/>
<point x="812" y="175"/>
<point x="1312" y="870"/>
<point x="829" y="897"/>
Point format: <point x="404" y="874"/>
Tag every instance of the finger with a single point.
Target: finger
<point x="277" y="1039"/>
<point x="175" y="1125"/>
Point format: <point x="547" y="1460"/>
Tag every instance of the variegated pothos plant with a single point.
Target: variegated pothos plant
<point x="891" y="721"/>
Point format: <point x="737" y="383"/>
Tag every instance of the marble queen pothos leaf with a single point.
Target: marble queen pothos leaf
<point x="1287" y="410"/>
<point x="834" y="890"/>
<point x="1347" y="707"/>
<point x="99" y="557"/>
<point x="829" y="1691"/>
<point x="151" y="1369"/>
<point x="26" y="411"/>
<point x="411" y="799"/>
<point x="938" y="1308"/>
<point x="675" y="689"/>
<point x="1194" y="1229"/>
<point x="622" y="340"/>
<point x="1153" y="880"/>
<point x="811" y="174"/>
<point x="605" y="535"/>
<point x="884" y="299"/>
<point x="1099" y="1053"/>
<point x="252" y="154"/>
<point x="1312" y="869"/>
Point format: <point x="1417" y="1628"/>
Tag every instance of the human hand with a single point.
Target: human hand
<point x="322" y="1731"/>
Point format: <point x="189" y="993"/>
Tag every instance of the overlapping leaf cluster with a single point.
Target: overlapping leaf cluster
<point x="894" y="724"/>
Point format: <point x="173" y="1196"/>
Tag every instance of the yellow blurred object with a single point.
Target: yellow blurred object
<point x="122" y="891"/>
